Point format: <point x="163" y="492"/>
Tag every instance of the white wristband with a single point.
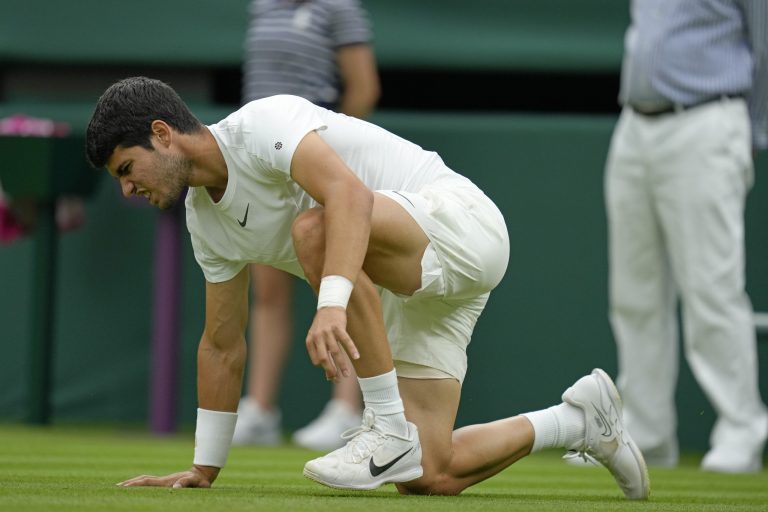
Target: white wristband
<point x="213" y="436"/>
<point x="334" y="291"/>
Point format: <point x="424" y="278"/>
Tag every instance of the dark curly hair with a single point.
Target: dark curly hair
<point x="124" y="115"/>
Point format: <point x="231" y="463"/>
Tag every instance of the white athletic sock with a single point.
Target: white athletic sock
<point x="560" y="426"/>
<point x="381" y="394"/>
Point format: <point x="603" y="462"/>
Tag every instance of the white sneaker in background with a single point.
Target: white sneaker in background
<point x="723" y="459"/>
<point x="256" y="426"/>
<point x="324" y="432"/>
<point x="736" y="450"/>
<point x="605" y="438"/>
<point x="370" y="458"/>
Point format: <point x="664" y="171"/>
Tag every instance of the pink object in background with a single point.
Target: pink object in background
<point x="10" y="230"/>
<point x="70" y="211"/>
<point x="26" y="126"/>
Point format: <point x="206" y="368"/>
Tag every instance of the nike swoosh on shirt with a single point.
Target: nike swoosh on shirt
<point x="245" y="218"/>
<point x="377" y="470"/>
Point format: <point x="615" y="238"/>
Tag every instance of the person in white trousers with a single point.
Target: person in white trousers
<point x="695" y="94"/>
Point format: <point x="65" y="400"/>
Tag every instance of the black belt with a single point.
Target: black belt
<point x="678" y="107"/>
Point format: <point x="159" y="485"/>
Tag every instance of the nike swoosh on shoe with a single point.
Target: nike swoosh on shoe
<point x="377" y="470"/>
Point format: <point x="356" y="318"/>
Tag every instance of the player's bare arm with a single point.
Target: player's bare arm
<point x="222" y="350"/>
<point x="348" y="204"/>
<point x="347" y="201"/>
<point x="220" y="362"/>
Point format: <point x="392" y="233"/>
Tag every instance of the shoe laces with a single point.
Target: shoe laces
<point x="365" y="439"/>
<point x="580" y="454"/>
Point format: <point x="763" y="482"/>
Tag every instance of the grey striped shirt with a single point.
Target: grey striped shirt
<point x="290" y="47"/>
<point x="687" y="51"/>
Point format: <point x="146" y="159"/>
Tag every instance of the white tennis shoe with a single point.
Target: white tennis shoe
<point x="606" y="439"/>
<point x="579" y="459"/>
<point x="370" y="458"/>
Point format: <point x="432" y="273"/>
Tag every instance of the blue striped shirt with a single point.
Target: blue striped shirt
<point x="688" y="51"/>
<point x="290" y="47"/>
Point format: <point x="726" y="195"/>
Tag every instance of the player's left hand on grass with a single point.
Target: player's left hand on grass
<point x="198" y="476"/>
<point x="328" y="343"/>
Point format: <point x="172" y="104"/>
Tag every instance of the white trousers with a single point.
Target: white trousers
<point x="675" y="189"/>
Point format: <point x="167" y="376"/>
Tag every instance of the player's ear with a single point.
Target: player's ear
<point x="162" y="132"/>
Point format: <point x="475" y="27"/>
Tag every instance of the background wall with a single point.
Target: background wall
<point x="519" y="96"/>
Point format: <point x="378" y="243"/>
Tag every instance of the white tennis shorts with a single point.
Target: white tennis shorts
<point x="465" y="259"/>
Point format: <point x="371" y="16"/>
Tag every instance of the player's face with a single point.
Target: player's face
<point x="159" y="176"/>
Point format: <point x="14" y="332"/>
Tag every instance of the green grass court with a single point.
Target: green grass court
<point x="76" y="468"/>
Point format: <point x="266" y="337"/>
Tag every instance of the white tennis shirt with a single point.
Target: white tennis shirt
<point x="252" y="221"/>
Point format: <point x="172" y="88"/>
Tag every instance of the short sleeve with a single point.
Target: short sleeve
<point x="279" y="123"/>
<point x="349" y="24"/>
<point x="215" y="269"/>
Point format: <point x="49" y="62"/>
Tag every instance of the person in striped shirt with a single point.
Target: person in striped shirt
<point x="319" y="50"/>
<point x="694" y="89"/>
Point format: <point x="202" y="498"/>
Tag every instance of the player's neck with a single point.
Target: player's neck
<point x="209" y="169"/>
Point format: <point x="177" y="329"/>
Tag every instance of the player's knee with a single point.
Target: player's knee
<point x="439" y="484"/>
<point x="308" y="233"/>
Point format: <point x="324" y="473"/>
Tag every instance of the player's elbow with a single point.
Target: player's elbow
<point x="227" y="350"/>
<point x="225" y="338"/>
<point x="359" y="199"/>
<point x="308" y="234"/>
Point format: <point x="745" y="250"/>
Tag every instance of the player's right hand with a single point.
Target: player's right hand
<point x="329" y="345"/>
<point x="197" y="476"/>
